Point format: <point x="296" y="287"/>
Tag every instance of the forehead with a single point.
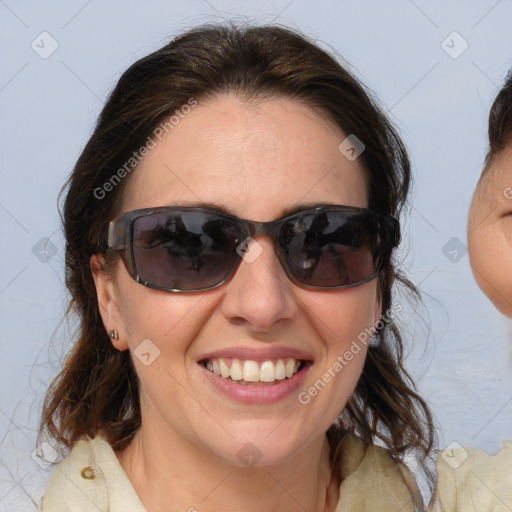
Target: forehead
<point x="497" y="174"/>
<point x="255" y="159"/>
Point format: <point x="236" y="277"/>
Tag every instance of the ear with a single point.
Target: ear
<point x="108" y="302"/>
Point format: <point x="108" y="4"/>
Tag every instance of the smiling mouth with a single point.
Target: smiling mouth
<point x="247" y="372"/>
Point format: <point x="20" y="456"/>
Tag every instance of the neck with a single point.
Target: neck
<point x="170" y="474"/>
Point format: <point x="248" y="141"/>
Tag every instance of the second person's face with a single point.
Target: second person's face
<point x="490" y="232"/>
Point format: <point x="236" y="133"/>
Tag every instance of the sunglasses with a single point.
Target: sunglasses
<point x="189" y="249"/>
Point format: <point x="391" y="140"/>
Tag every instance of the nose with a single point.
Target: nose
<point x="259" y="295"/>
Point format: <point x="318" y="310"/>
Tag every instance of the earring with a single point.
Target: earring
<point x="114" y="335"/>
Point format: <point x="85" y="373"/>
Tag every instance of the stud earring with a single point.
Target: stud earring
<point x="114" y="335"/>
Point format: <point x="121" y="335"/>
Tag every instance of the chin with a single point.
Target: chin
<point x="258" y="451"/>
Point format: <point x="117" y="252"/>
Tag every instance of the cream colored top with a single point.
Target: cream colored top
<point x="471" y="480"/>
<point x="91" y="479"/>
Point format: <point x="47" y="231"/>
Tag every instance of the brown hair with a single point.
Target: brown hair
<point x="500" y="121"/>
<point x="97" y="387"/>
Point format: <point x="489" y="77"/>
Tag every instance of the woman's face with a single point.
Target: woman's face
<point x="490" y="232"/>
<point x="255" y="160"/>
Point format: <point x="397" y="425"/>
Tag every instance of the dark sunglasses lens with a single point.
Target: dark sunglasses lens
<point x="185" y="250"/>
<point x="332" y="249"/>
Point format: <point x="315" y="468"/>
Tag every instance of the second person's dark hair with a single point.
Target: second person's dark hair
<point x="500" y="120"/>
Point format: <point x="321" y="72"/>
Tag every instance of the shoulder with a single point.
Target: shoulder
<point x="472" y="480"/>
<point x="373" y="480"/>
<point x="90" y="478"/>
<point x="76" y="481"/>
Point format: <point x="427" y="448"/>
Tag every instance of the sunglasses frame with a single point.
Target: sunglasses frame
<point x="120" y="239"/>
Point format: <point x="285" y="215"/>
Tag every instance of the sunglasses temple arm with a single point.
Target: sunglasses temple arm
<point x="116" y="236"/>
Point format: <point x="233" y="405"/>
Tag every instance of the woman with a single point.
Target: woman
<point x="469" y="479"/>
<point x="230" y="226"/>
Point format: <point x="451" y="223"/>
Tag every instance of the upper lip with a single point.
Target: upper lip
<point x="258" y="354"/>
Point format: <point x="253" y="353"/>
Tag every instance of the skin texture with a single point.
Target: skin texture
<point x="490" y="232"/>
<point x="255" y="159"/>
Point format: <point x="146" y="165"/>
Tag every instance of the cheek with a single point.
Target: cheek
<point x="170" y="321"/>
<point x="340" y="316"/>
<point x="490" y="251"/>
<point x="342" y="321"/>
<point x="161" y="329"/>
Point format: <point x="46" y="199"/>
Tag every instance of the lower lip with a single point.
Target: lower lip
<point x="254" y="394"/>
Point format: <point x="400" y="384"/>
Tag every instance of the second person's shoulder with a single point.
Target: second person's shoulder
<point x="472" y="480"/>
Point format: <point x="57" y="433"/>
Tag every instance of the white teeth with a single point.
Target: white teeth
<point x="236" y="370"/>
<point x="267" y="372"/>
<point x="290" y="366"/>
<point x="224" y="370"/>
<point x="251" y="371"/>
<point x="280" y="370"/>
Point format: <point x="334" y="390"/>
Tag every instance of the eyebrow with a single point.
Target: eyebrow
<point x="290" y="210"/>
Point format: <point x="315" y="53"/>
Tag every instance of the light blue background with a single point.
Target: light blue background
<point x="439" y="105"/>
